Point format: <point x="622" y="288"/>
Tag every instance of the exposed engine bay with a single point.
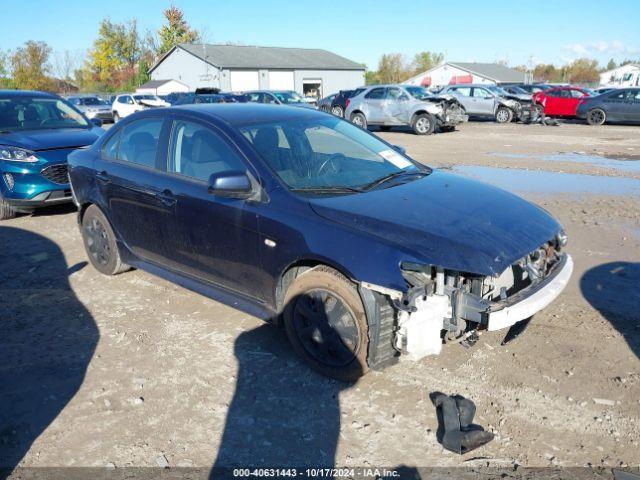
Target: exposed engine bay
<point x="523" y="107"/>
<point x="453" y="113"/>
<point x="444" y="306"/>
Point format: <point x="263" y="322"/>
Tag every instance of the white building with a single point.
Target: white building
<point x="450" y="73"/>
<point x="162" y="87"/>
<point x="624" y="76"/>
<point x="310" y="72"/>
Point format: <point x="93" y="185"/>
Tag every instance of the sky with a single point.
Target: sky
<point x="521" y="33"/>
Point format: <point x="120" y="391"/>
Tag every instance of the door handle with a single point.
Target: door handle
<point x="166" y="197"/>
<point x="103" y="177"/>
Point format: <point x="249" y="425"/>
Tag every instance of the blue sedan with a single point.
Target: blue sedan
<point x="37" y="132"/>
<point x="304" y="219"/>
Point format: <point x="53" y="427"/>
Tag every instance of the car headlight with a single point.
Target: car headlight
<point x="12" y="154"/>
<point x="561" y="238"/>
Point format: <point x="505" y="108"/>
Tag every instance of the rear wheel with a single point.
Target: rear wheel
<point x="423" y="124"/>
<point x="504" y="115"/>
<point x="116" y="117"/>
<point x="338" y="111"/>
<point x="359" y="120"/>
<point x="326" y="323"/>
<point x="597" y="116"/>
<point x="100" y="243"/>
<point x="6" y="211"/>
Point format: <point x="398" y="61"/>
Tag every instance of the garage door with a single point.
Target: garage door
<point x="244" y="80"/>
<point x="281" y="81"/>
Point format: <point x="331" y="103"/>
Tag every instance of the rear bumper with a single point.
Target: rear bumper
<point x="529" y="301"/>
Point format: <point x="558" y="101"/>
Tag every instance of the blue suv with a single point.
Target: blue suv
<point x="37" y="132"/>
<point x="304" y="219"/>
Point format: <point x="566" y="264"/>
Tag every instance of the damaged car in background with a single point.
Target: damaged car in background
<point x="404" y="105"/>
<point x="308" y="221"/>
<point x="494" y="102"/>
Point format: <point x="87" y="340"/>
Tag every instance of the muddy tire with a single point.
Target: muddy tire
<point x="423" y="124"/>
<point x="596" y="116"/>
<point x="100" y="243"/>
<point x="504" y="115"/>
<point x="359" y="120"/>
<point x="326" y="324"/>
<point x="6" y="211"/>
<point x="338" y="111"/>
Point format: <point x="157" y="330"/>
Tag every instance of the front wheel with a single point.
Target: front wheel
<point x="326" y="323"/>
<point x="338" y="111"/>
<point x="423" y="124"/>
<point x="504" y="115"/>
<point x="116" y="117"/>
<point x="597" y="116"/>
<point x="100" y="243"/>
<point x="359" y="120"/>
<point x="6" y="211"/>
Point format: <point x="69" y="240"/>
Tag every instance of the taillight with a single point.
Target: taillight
<point x="346" y="103"/>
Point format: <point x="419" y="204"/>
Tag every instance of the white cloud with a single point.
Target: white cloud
<point x="614" y="48"/>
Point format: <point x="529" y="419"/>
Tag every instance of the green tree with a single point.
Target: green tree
<point x="5" y="79"/>
<point x="30" y="66"/>
<point x="546" y="73"/>
<point x="611" y="65"/>
<point x="424" y="61"/>
<point x="176" y="31"/>
<point x="392" y="69"/>
<point x="583" y="71"/>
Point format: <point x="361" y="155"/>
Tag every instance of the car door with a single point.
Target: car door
<point x="570" y="104"/>
<point x="136" y="198"/>
<point x="615" y="105"/>
<point x="374" y="105"/>
<point x="483" y="100"/>
<point x="634" y="107"/>
<point x="553" y="102"/>
<point x="213" y="238"/>
<point x="463" y="94"/>
<point x="395" y="106"/>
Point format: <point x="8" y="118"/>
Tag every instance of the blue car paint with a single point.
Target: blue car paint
<point x="209" y="243"/>
<point x="52" y="147"/>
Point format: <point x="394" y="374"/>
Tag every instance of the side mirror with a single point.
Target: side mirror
<point x="399" y="149"/>
<point x="97" y="122"/>
<point x="231" y="184"/>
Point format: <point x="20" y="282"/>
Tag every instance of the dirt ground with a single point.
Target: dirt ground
<point x="134" y="371"/>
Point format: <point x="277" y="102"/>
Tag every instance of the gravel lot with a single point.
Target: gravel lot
<point x="134" y="371"/>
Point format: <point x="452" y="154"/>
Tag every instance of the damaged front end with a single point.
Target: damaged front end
<point x="523" y="107"/>
<point x="442" y="306"/>
<point x="452" y="112"/>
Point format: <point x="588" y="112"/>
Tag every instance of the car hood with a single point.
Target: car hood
<point x="153" y="103"/>
<point x="446" y="220"/>
<point x="47" y="139"/>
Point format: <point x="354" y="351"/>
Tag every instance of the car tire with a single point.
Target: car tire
<point x="537" y="113"/>
<point x="6" y="211"/>
<point x="359" y="120"/>
<point x="504" y="115"/>
<point x="325" y="108"/>
<point x="317" y="301"/>
<point x="116" y="117"/>
<point x="385" y="128"/>
<point x="423" y="124"/>
<point x="596" y="116"/>
<point x="338" y="111"/>
<point x="100" y="243"/>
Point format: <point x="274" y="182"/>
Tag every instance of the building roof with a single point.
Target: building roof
<point x="154" y="83"/>
<point x="238" y="56"/>
<point x="492" y="71"/>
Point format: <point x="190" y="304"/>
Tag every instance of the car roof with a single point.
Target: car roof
<point x="245" y="113"/>
<point x="26" y="93"/>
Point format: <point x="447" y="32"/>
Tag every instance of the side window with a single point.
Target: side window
<point x="197" y="151"/>
<point x="111" y="146"/>
<point x="375" y="94"/>
<point x="393" y="93"/>
<point x="139" y="142"/>
<point x="577" y="94"/>
<point x="254" y="97"/>
<point x="481" y="93"/>
<point x="267" y="98"/>
<point x="464" y="91"/>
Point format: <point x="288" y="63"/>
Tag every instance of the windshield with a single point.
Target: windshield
<point x="518" y="90"/>
<point x="19" y="113"/>
<point x="497" y="90"/>
<point x="289" y="97"/>
<point x="91" y="101"/>
<point x="418" y="92"/>
<point x="324" y="152"/>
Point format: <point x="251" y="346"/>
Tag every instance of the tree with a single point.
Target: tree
<point x="583" y="70"/>
<point x="30" y="66"/>
<point x="611" y="65"/>
<point x="546" y="73"/>
<point x="5" y="80"/>
<point x="392" y="69"/>
<point x="424" y="61"/>
<point x="176" y="31"/>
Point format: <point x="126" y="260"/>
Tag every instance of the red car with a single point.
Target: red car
<point x="560" y="101"/>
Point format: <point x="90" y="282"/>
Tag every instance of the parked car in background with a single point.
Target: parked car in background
<point x="128" y="103"/>
<point x="341" y="101"/>
<point x="561" y="101"/>
<point x="533" y="88"/>
<point x="37" y="132"/>
<point x="601" y="90"/>
<point x="324" y="104"/>
<point x="189" y="98"/>
<point x="278" y="97"/>
<point x="620" y="105"/>
<point x="302" y="218"/>
<point x="234" y="97"/>
<point x="491" y="101"/>
<point x="404" y="105"/>
<point x="92" y="106"/>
